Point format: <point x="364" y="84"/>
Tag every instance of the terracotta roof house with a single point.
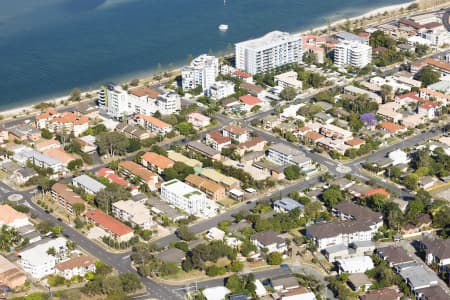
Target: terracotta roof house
<point x="377" y="191"/>
<point x="144" y="91"/>
<point x="217" y="141"/>
<point x="112" y="177"/>
<point x="11" y="217"/>
<point x="392" y="128"/>
<point x="249" y="101"/>
<point x="355" y="142"/>
<point x="253" y="89"/>
<point x="156" y="162"/>
<point x="10" y="275"/>
<point x="130" y="169"/>
<point x="153" y="124"/>
<point x="113" y="227"/>
<point x="78" y="266"/>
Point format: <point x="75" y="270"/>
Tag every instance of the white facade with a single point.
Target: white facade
<point x="119" y="103"/>
<point x="134" y="212"/>
<point x="353" y="54"/>
<point x="437" y="37"/>
<point x="268" y="52"/>
<point x="221" y="89"/>
<point x="398" y="157"/>
<point x="202" y="71"/>
<point x="288" y="79"/>
<point x="358" y="264"/>
<point x="286" y="155"/>
<point x="38" y="263"/>
<point x="183" y="196"/>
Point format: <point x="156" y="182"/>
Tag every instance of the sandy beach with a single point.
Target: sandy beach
<point x="23" y="111"/>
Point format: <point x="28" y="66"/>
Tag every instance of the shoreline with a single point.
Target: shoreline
<point x="58" y="101"/>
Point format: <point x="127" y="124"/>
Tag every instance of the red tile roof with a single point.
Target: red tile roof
<point x="158" y="160"/>
<point x="250" y="100"/>
<point x="429" y="104"/>
<point x="235" y="129"/>
<point x="77" y="262"/>
<point x="108" y="222"/>
<point x="411" y="95"/>
<point x="355" y="142"/>
<point x="144" y="91"/>
<point x="377" y="191"/>
<point x="153" y="120"/>
<point x="113" y="178"/>
<point x="137" y="170"/>
<point x="218" y="137"/>
<point x="391" y="127"/>
<point x="242" y="74"/>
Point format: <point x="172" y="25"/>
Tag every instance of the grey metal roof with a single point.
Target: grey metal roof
<point x="89" y="183"/>
<point x="288" y="204"/>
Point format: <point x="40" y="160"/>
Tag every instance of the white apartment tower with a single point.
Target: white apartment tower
<point x="183" y="196"/>
<point x="272" y="50"/>
<point x="202" y="71"/>
<point x="353" y="54"/>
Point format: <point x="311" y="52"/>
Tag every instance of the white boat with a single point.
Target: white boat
<point x="223" y="27"/>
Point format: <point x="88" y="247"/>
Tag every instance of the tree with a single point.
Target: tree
<point x="274" y="258"/>
<point x="134" y="82"/>
<point x="292" y="172"/>
<point x="75" y="164"/>
<point x="112" y="284"/>
<point x="428" y="76"/>
<point x="112" y="143"/>
<point x="133" y="145"/>
<point x="51" y="251"/>
<point x="310" y="58"/>
<point x="179" y="171"/>
<point x="288" y="93"/>
<point x="386" y="92"/>
<point x="313" y="209"/>
<point x="46" y="134"/>
<point x="255" y="108"/>
<point x="78" y="208"/>
<point x="410" y="181"/>
<point x="185" y="128"/>
<point x="332" y="196"/>
<point x="130" y="282"/>
<point x="75" y="95"/>
<point x="112" y="193"/>
<point x="185" y="233"/>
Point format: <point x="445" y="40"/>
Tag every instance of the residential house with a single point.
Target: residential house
<point x="215" y="234"/>
<point x="255" y="144"/>
<point x="65" y="197"/>
<point x="286" y="155"/>
<point x="207" y="151"/>
<point x="252" y="89"/>
<point x="429" y="108"/>
<point x="436" y="250"/>
<point x="23" y="132"/>
<point x="333" y="233"/>
<point x="417" y="277"/>
<point x="357" y="264"/>
<point x="88" y="184"/>
<point x="359" y="282"/>
<point x="156" y="162"/>
<point x="427" y="182"/>
<point x="10" y="274"/>
<point x="115" y="229"/>
<point x="154" y="125"/>
<point x="421" y="222"/>
<point x="399" y="157"/>
<point x="217" y="141"/>
<point x="392" y="128"/>
<point x="348" y="210"/>
<point x="432" y="293"/>
<point x="284" y="283"/>
<point x="37" y="262"/>
<point x="87" y="144"/>
<point x="177" y="157"/>
<point x="286" y="205"/>
<point x="198" y="120"/>
<point x="213" y="190"/>
<point x="137" y="214"/>
<point x="221" y="89"/>
<point x="394" y="255"/>
<point x="24" y="174"/>
<point x="288" y="79"/>
<point x="64" y="122"/>
<point x="47" y="145"/>
<point x="131" y="170"/>
<point x="389" y="112"/>
<point x="381" y="294"/>
<point x="227" y="181"/>
<point x="133" y="132"/>
<point x="77" y="266"/>
<point x="269" y="240"/>
<point x="248" y="102"/>
<point x="88" y="110"/>
<point x="12" y="218"/>
<point x="236" y="133"/>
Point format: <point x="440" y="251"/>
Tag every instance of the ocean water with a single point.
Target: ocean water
<point x="48" y="47"/>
